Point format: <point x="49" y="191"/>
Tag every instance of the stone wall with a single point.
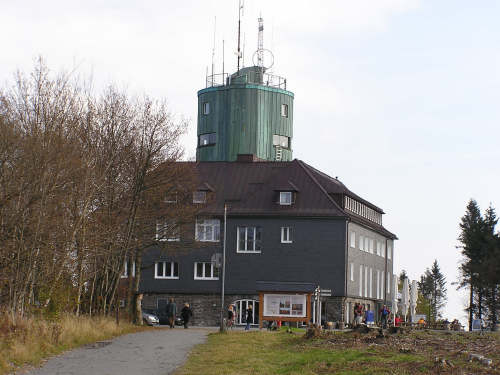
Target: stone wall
<point x="206" y="307"/>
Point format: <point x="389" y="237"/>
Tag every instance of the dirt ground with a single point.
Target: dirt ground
<point x="439" y="352"/>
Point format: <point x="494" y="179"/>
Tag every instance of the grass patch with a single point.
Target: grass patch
<point x="29" y="341"/>
<point x="241" y="353"/>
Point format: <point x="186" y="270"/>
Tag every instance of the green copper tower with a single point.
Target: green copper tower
<point x="248" y="112"/>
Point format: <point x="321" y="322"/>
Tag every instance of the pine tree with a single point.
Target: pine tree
<point x="433" y="286"/>
<point x="490" y="274"/>
<point x="471" y="235"/>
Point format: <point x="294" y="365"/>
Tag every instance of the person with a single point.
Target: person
<point x="384" y="316"/>
<point x="230" y="316"/>
<point x="249" y="317"/>
<point x="355" y="319"/>
<point x="186" y="314"/>
<point x="421" y="322"/>
<point x="171" y="311"/>
<point x="397" y="321"/>
<point x="359" y="314"/>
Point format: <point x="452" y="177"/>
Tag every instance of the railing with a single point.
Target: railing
<point x="255" y="77"/>
<point x="219" y="79"/>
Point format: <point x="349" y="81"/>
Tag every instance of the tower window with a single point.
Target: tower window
<point x="281" y="141"/>
<point x="285" y="198"/>
<point x="284" y="110"/>
<point x="206" y="108"/>
<point x="207" y="139"/>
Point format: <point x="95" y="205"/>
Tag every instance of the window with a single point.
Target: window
<point x="382" y="252"/>
<point x="361" y="243"/>
<point x="166" y="270"/>
<point x="167" y="230"/>
<point x="371" y="282"/>
<point x="207" y="139"/>
<point x="206" y="108"/>
<point x="249" y="240"/>
<point x="371" y="246"/>
<point x="367" y="244"/>
<point x="207" y="230"/>
<point x="281" y="140"/>
<point x="361" y="281"/>
<point x="205" y="271"/>
<point x="378" y="248"/>
<point x="285" y="198"/>
<point x="171" y="197"/>
<point x="284" y="110"/>
<point x="286" y="235"/>
<point x="353" y="239"/>
<point x="352" y="271"/>
<point x="378" y="284"/>
<point x="382" y="284"/>
<point x="388" y="282"/>
<point x="366" y="281"/>
<point x="199" y="197"/>
<point x="125" y="269"/>
<point x="389" y="252"/>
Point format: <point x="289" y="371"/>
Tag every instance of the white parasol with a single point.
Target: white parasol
<point x="405" y="298"/>
<point x="395" y="295"/>
<point x="413" y="297"/>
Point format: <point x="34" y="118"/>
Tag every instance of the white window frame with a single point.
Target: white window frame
<point x="383" y="250"/>
<point x="361" y="280"/>
<point x="204" y="277"/>
<point x="124" y="275"/>
<point x="389" y="252"/>
<point x="286" y="235"/>
<point x="379" y="246"/>
<point x="286" y="198"/>
<point x="160" y="227"/>
<point x="284" y="110"/>
<point x="352" y="271"/>
<point x="163" y="265"/>
<point x="246" y="251"/>
<point x="371" y="282"/>
<point x="367" y="244"/>
<point x="353" y="239"/>
<point x="366" y="281"/>
<point x="371" y="245"/>
<point x="378" y="284"/>
<point x="388" y="282"/>
<point x="206" y="108"/>
<point x="361" y="243"/>
<point x="199" y="196"/>
<point x="201" y="231"/>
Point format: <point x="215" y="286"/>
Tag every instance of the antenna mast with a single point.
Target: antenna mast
<point x="240" y="11"/>
<point x="260" y="44"/>
<point x="213" y="49"/>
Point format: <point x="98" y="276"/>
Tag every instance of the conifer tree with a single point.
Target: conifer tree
<point x="433" y="286"/>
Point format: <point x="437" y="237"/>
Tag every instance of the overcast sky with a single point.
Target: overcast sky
<point x="398" y="98"/>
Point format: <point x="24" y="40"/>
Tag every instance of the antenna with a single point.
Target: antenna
<point x="223" y="56"/>
<point x="243" y="51"/>
<point x="240" y="13"/>
<point x="213" y="49"/>
<point x="260" y="43"/>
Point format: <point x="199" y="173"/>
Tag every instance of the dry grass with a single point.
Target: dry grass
<point x="29" y="341"/>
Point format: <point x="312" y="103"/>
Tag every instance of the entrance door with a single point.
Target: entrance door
<point x="241" y="310"/>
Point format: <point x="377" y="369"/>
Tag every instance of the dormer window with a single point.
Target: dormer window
<point x="199" y="197"/>
<point x="285" y="198"/>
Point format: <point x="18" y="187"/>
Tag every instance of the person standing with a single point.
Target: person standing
<point x="186" y="314"/>
<point x="230" y="317"/>
<point x="384" y="316"/>
<point x="171" y="312"/>
<point x="249" y="317"/>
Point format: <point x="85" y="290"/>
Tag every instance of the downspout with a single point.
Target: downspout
<point x="385" y="277"/>
<point x="346" y="270"/>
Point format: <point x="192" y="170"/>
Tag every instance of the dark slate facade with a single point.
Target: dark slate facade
<point x="319" y="253"/>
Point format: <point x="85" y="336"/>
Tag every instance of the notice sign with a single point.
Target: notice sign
<point x="291" y="305"/>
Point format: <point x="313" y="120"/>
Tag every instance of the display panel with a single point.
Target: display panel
<point x="285" y="305"/>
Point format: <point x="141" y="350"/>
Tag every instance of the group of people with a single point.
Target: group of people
<point x="360" y="315"/>
<point x="231" y="316"/>
<point x="171" y="312"/>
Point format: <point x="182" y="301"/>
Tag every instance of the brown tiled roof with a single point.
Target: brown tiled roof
<point x="251" y="188"/>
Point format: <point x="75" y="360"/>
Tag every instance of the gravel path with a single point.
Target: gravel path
<point x="156" y="352"/>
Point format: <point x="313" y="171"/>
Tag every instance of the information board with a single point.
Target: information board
<point x="285" y="305"/>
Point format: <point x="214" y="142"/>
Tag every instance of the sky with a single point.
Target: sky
<point x="398" y="98"/>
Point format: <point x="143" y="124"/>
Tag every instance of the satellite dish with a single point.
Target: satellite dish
<point x="263" y="58"/>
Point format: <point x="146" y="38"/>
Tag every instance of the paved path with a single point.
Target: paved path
<point x="156" y="352"/>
